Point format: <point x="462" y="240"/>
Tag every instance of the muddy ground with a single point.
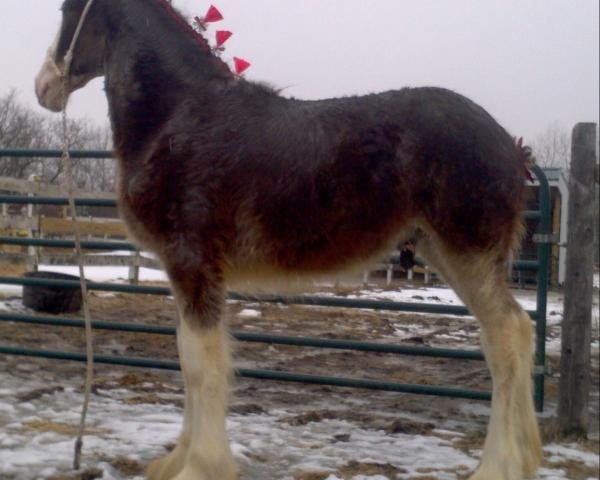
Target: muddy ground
<point x="393" y="413"/>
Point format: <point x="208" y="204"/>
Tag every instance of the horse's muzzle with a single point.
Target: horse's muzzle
<point x="49" y="87"/>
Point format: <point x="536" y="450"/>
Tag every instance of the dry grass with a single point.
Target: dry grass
<point x="353" y="469"/>
<point x="89" y="474"/>
<point x="127" y="466"/>
<point x="60" y="428"/>
<point x="12" y="269"/>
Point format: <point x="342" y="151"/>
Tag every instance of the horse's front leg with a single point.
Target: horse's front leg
<point x="206" y="361"/>
<point x="203" y="451"/>
<point x="170" y="465"/>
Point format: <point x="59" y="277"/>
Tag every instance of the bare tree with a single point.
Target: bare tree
<point x="552" y="147"/>
<point x="22" y="127"/>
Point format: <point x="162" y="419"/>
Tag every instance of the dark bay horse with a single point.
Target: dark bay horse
<point x="224" y="179"/>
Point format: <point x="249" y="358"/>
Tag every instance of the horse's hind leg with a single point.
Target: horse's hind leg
<point x="512" y="449"/>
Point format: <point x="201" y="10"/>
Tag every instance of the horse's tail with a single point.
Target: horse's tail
<point x="527" y="160"/>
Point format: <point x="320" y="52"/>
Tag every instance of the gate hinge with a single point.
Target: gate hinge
<point x="546" y="238"/>
<point x="542" y="370"/>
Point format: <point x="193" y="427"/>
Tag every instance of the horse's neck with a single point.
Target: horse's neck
<point x="151" y="70"/>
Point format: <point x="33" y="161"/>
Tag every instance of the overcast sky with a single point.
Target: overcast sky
<point x="530" y="63"/>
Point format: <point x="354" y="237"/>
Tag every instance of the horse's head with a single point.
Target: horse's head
<point x="88" y="54"/>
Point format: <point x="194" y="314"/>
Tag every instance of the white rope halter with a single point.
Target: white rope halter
<point x="68" y="166"/>
<point x="69" y="55"/>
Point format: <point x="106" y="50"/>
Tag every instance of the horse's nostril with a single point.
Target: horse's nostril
<point x="41" y="91"/>
<point x="45" y="87"/>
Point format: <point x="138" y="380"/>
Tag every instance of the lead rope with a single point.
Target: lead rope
<point x="69" y="185"/>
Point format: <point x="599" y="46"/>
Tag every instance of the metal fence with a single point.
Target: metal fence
<point x="539" y="314"/>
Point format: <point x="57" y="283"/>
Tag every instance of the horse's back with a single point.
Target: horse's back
<point x="468" y="179"/>
<point x="375" y="167"/>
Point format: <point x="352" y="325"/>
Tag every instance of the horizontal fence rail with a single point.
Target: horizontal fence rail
<point x="261" y="374"/>
<point x="85" y="244"/>
<point x="521" y="265"/>
<point x="307" y="300"/>
<point x="254" y="337"/>
<point x="54" y="154"/>
<point x="539" y="314"/>
<point x="79" y="202"/>
<point x="107" y="202"/>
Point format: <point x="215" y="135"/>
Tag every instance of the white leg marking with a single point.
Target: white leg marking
<point x="205" y="360"/>
<point x="170" y="465"/>
<point x="512" y="448"/>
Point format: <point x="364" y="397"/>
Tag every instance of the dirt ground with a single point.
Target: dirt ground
<point x="388" y="412"/>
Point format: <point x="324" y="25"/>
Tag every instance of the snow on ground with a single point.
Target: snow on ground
<point x="9" y="291"/>
<point x="249" y="313"/>
<point x="106" y="274"/>
<point x="36" y="436"/>
<point x="446" y="296"/>
<point x="430" y="294"/>
<point x="36" y="439"/>
<point x="527" y="299"/>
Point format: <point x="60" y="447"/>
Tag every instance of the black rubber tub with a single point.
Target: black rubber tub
<point x="51" y="299"/>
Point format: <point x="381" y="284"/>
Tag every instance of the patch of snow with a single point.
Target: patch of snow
<point x="249" y="313"/>
<point x="106" y="274"/>
<point x="120" y="429"/>
<point x="10" y="290"/>
<point x="444" y="296"/>
<point x="559" y="453"/>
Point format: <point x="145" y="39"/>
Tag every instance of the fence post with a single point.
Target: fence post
<point x="575" y="379"/>
<point x="33" y="253"/>
<point x="134" y="269"/>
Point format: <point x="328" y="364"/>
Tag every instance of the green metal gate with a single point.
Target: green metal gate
<point x="538" y="315"/>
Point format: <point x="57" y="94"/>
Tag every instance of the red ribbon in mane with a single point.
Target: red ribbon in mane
<point x="166" y="4"/>
<point x="222" y="36"/>
<point x="241" y="65"/>
<point x="213" y="15"/>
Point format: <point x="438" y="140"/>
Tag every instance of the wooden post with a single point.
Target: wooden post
<point x="575" y="379"/>
<point x="33" y="252"/>
<point x="134" y="269"/>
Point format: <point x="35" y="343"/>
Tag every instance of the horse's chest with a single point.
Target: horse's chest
<point x="142" y="210"/>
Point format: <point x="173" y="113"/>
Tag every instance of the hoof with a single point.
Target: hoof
<point x="487" y="473"/>
<point x="194" y="474"/>
<point x="199" y="469"/>
<point x="167" y="467"/>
